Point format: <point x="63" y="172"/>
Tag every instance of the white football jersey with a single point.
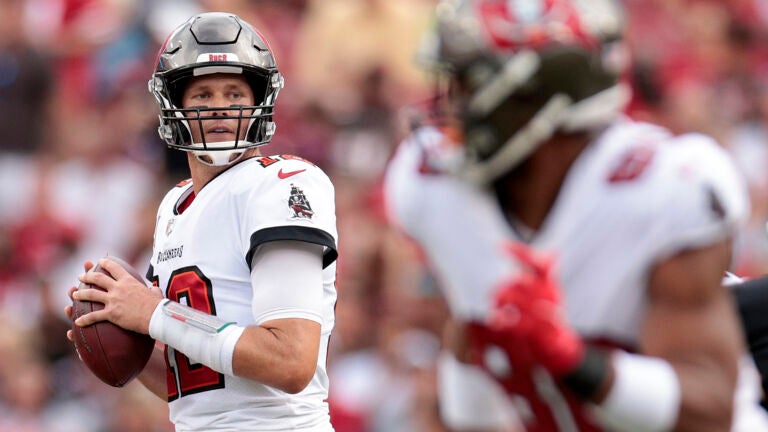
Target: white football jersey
<point x="202" y="258"/>
<point x="636" y="195"/>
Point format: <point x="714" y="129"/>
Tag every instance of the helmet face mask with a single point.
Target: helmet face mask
<point x="524" y="70"/>
<point x="215" y="43"/>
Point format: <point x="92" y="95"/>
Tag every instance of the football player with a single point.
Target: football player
<point x="582" y="252"/>
<point x="244" y="252"/>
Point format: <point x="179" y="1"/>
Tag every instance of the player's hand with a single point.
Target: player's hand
<point x="527" y="309"/>
<point x="68" y="311"/>
<point x="128" y="302"/>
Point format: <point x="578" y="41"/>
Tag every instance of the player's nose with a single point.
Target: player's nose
<point x="221" y="106"/>
<point x="225" y="110"/>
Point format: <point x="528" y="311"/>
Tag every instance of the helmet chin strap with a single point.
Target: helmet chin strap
<point x="219" y="157"/>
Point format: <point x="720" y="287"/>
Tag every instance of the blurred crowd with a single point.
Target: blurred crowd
<point x="82" y="171"/>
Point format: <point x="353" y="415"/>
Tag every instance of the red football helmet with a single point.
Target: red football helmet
<point x="521" y="70"/>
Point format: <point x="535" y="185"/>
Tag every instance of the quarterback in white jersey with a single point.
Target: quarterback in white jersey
<point x="243" y="261"/>
<point x="582" y="253"/>
<point x="253" y="203"/>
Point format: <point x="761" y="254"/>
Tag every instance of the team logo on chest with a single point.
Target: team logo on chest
<point x="298" y="204"/>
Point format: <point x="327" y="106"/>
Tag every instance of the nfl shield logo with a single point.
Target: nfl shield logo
<point x="169" y="227"/>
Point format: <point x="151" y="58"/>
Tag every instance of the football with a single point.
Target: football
<point x="113" y="354"/>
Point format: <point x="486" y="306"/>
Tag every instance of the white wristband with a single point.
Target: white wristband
<point x="203" y="338"/>
<point x="645" y="395"/>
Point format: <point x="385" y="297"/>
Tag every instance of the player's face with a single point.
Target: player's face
<point x="213" y="91"/>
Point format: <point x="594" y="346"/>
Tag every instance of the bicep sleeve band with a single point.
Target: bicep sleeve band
<point x="203" y="338"/>
<point x="645" y="395"/>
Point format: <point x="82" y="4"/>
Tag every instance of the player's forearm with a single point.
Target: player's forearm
<point x="656" y="394"/>
<point x="686" y="383"/>
<point x="704" y="355"/>
<point x="153" y="377"/>
<point x="281" y="354"/>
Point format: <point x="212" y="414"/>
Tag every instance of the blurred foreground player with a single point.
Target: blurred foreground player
<point x="243" y="253"/>
<point x="582" y="252"/>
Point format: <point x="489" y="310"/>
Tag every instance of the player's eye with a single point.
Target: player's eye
<point x="198" y="96"/>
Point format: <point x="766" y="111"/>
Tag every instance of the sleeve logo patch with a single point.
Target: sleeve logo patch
<point x="299" y="204"/>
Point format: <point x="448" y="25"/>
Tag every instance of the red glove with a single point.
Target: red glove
<point x="528" y="312"/>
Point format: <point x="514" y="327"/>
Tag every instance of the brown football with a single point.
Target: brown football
<point x="113" y="354"/>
